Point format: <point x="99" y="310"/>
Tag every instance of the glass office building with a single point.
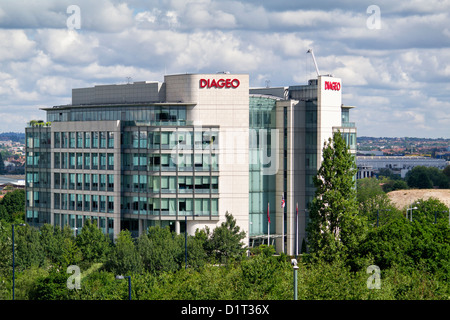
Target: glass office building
<point x="182" y="153"/>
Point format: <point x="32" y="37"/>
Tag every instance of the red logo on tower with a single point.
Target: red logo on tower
<point x="221" y="83"/>
<point x="335" y="86"/>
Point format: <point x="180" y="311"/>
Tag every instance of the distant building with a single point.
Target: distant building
<point x="368" y="166"/>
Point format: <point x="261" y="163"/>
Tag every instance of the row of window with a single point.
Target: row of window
<point x="86" y="160"/>
<point x="77" y="221"/>
<point x="38" y="159"/>
<point x="170" y="206"/>
<point x="83" y="181"/>
<point x="170" y="184"/>
<point x="168" y="140"/>
<point x="83" y="202"/>
<point x="150" y="113"/>
<point x="38" y="139"/>
<point x="170" y="162"/>
<point x="87" y="140"/>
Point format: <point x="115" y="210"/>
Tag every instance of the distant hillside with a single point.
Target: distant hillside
<point x="13" y="136"/>
<point x="403" y="198"/>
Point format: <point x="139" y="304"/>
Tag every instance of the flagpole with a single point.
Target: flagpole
<point x="268" y="225"/>
<point x="296" y="231"/>
<point x="282" y="225"/>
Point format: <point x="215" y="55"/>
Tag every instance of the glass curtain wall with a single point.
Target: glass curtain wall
<point x="262" y="187"/>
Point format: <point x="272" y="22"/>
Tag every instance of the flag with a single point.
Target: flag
<point x="283" y="203"/>
<point x="296" y="209"/>
<point x="268" y="215"/>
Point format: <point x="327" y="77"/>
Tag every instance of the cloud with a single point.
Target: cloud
<point x="397" y="76"/>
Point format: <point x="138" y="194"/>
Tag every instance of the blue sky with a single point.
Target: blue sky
<point x="396" y="75"/>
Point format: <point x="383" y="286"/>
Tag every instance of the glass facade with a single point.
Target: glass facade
<point x="38" y="175"/>
<point x="153" y="114"/>
<point x="170" y="172"/>
<point x="262" y="187"/>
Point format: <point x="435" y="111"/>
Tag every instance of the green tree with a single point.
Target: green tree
<point x="335" y="228"/>
<point x="93" y="243"/>
<point x="29" y="248"/>
<point x="54" y="244"/>
<point x="159" y="249"/>
<point x="13" y="204"/>
<point x="125" y="258"/>
<point x="373" y="203"/>
<point x="225" y="242"/>
<point x="5" y="248"/>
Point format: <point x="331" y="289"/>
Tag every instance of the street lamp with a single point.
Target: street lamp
<point x="13" y="264"/>
<point x="295" y="267"/>
<point x="120" y="277"/>
<point x="411" y="209"/>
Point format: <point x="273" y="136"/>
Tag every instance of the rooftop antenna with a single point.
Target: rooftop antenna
<point x="267" y="83"/>
<point x="314" y="59"/>
<point x="129" y="80"/>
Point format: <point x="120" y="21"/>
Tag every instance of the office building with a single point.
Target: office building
<point x="183" y="152"/>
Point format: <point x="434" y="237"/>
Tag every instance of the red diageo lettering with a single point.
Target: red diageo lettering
<point x="221" y="83"/>
<point x="336" y="86"/>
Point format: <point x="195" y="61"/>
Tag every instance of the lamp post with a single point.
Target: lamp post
<point x="120" y="277"/>
<point x="13" y="262"/>
<point x="435" y="215"/>
<point x="295" y="267"/>
<point x="411" y="209"/>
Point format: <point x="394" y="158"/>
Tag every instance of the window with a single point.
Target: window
<point x="79" y="202"/>
<point x="79" y="139"/>
<point x="94" y="161"/>
<point x="94" y="185"/>
<point x="57" y="201"/>
<point x="65" y="140"/>
<point x="87" y="139"/>
<point x="79" y="181"/>
<point x="87" y="161"/>
<point x="102" y="203"/>
<point x="185" y="206"/>
<point x="94" y="202"/>
<point x="94" y="136"/>
<point x="110" y="182"/>
<point x="102" y="182"/>
<point x="103" y="139"/>
<point x="87" y="202"/>
<point x="57" y="180"/>
<point x="71" y="139"/>
<point x="102" y="161"/>
<point x="110" y="161"/>
<point x="57" y="160"/>
<point x="57" y="138"/>
<point x="72" y="177"/>
<point x="71" y="160"/>
<point x="110" y="204"/>
<point x="110" y="140"/>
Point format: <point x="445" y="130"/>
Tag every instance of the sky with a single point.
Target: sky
<point x="393" y="56"/>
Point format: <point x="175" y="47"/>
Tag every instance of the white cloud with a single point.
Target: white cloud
<point x="397" y="76"/>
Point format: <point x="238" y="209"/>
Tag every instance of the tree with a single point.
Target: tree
<point x="422" y="177"/>
<point x="373" y="202"/>
<point x="225" y="242"/>
<point x="335" y="228"/>
<point x="124" y="258"/>
<point x="14" y="205"/>
<point x="159" y="249"/>
<point x="94" y="244"/>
